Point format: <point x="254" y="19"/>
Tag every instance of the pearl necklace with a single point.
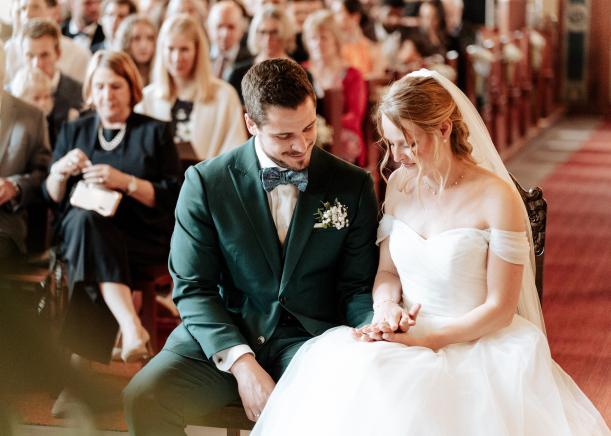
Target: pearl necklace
<point x="114" y="142"/>
<point x="434" y="192"/>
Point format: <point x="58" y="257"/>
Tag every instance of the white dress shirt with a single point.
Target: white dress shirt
<point x="282" y="201"/>
<point x="83" y="36"/>
<point x="229" y="56"/>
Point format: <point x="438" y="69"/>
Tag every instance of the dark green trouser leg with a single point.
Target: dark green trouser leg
<point x="172" y="390"/>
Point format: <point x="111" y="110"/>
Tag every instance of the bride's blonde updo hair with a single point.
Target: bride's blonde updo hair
<point x="426" y="103"/>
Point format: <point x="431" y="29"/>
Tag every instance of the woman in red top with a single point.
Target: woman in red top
<point x="329" y="71"/>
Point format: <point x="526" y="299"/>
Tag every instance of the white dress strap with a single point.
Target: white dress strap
<point x="384" y="228"/>
<point x="512" y="247"/>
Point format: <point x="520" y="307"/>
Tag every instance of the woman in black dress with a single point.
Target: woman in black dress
<point x="119" y="150"/>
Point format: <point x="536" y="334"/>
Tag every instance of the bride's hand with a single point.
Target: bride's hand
<point x="389" y="317"/>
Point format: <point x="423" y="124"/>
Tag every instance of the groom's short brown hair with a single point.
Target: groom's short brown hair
<point x="275" y="82"/>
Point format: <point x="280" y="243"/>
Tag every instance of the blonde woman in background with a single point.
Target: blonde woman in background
<point x="137" y="36"/>
<point x="202" y="109"/>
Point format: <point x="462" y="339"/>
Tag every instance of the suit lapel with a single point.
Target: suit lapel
<point x="245" y="177"/>
<point x="7" y="121"/>
<point x="302" y="223"/>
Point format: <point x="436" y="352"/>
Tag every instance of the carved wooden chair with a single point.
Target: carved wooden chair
<point x="536" y="207"/>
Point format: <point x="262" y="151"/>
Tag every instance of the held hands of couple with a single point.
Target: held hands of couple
<point x="254" y="385"/>
<point x="389" y="320"/>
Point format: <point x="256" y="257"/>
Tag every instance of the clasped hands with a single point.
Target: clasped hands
<point x="76" y="162"/>
<point x="390" y="323"/>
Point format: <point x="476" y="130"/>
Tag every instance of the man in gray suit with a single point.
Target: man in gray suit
<point x="24" y="159"/>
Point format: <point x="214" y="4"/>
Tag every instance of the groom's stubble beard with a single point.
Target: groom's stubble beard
<point x="305" y="163"/>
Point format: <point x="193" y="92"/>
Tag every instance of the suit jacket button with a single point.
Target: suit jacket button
<point x="283" y="300"/>
<point x="260" y="340"/>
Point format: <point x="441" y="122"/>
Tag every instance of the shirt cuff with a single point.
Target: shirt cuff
<point x="225" y="359"/>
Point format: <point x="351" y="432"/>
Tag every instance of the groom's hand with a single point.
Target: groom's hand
<point x="254" y="385"/>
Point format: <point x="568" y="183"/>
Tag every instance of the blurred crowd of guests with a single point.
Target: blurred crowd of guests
<point x="112" y="92"/>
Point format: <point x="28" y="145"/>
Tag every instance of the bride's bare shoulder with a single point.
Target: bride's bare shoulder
<point x="501" y="203"/>
<point x="398" y="188"/>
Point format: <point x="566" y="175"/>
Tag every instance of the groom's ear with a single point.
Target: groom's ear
<point x="251" y="125"/>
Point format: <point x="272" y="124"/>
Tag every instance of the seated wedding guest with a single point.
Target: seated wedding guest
<point x="390" y="19"/>
<point x="33" y="86"/>
<point x="198" y="9"/>
<point x="113" y="13"/>
<point x="74" y="58"/>
<point x="322" y="39"/>
<point x="226" y="27"/>
<point x="203" y="110"/>
<point x="154" y="9"/>
<point x="26" y="155"/>
<point x="460" y="35"/>
<point x="254" y="6"/>
<point x="137" y="36"/>
<point x="356" y="49"/>
<point x="41" y="49"/>
<point x="270" y="36"/>
<point x="83" y="26"/>
<point x="428" y="44"/>
<point x="111" y="149"/>
<point x="298" y="11"/>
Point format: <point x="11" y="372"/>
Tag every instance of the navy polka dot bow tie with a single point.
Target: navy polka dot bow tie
<point x="273" y="176"/>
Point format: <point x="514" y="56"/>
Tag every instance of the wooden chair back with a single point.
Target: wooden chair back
<point x="536" y="207"/>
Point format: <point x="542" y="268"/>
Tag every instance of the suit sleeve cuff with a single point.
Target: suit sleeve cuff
<point x="225" y="359"/>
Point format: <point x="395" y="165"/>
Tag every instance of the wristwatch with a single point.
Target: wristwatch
<point x="132" y="186"/>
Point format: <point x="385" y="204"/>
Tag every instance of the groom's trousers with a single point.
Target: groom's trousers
<point x="172" y="391"/>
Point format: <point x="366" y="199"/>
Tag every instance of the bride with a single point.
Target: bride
<point x="455" y="252"/>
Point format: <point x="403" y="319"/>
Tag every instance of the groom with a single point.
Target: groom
<point x="257" y="270"/>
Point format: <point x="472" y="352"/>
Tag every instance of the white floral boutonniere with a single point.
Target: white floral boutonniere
<point x="332" y="215"/>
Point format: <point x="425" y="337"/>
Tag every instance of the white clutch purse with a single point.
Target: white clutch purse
<point x="93" y="197"/>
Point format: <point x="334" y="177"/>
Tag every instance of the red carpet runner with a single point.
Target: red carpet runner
<point x="577" y="273"/>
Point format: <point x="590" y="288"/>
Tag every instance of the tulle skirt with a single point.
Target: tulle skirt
<point x="502" y="384"/>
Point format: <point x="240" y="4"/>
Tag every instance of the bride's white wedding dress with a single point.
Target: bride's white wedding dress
<point x="503" y="384"/>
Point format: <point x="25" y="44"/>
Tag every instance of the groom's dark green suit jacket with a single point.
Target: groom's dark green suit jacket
<point x="231" y="274"/>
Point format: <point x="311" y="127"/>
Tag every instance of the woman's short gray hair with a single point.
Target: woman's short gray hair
<point x="287" y="34"/>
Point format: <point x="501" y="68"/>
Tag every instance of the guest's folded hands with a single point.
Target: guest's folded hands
<point x="71" y="164"/>
<point x="107" y="176"/>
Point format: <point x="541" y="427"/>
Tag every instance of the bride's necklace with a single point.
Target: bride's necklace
<point x="114" y="142"/>
<point x="448" y="186"/>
